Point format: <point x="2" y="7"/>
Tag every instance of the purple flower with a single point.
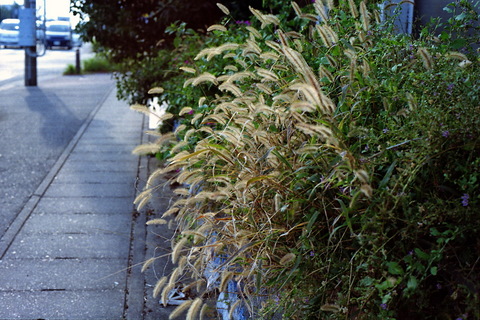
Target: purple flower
<point x="445" y="134"/>
<point x="312" y="253"/>
<point x="384" y="306"/>
<point x="243" y="22"/>
<point x="450" y="87"/>
<point x="385" y="130"/>
<point x="438" y="286"/>
<point x="465" y="198"/>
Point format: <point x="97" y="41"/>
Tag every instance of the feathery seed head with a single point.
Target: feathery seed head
<point x="223" y="8"/>
<point x="217" y="27"/>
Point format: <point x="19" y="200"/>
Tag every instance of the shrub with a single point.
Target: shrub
<point x="329" y="171"/>
<point x="97" y="64"/>
<point x="70" y="70"/>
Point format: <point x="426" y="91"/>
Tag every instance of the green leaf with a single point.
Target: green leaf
<point x="256" y="179"/>
<point x="422" y="255"/>
<point x="412" y="283"/>
<point x="458" y="44"/>
<point x="282" y="158"/>
<point x="433" y="271"/>
<point x="387" y="176"/>
<point x="394" y="268"/>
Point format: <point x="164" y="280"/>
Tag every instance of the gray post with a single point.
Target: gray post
<point x="77" y="61"/>
<point x="30" y="59"/>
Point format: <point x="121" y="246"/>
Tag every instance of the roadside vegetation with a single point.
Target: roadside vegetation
<point x="97" y="64"/>
<point x="328" y="166"/>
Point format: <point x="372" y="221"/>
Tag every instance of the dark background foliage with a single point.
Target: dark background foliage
<point x="135" y="29"/>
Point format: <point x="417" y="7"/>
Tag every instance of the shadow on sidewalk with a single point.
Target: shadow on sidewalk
<point x="59" y="122"/>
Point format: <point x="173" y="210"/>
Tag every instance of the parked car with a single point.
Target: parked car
<point x="9" y="32"/>
<point x="58" y="34"/>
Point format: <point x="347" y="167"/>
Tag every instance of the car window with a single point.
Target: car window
<point x="58" y="28"/>
<point x="10" y="26"/>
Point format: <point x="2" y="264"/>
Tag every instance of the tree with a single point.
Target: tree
<point x="9" y="11"/>
<point x="135" y="29"/>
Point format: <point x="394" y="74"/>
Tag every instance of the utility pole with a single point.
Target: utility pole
<point x="30" y="52"/>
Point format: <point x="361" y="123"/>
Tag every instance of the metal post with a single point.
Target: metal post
<point x="30" y="55"/>
<point x="77" y="61"/>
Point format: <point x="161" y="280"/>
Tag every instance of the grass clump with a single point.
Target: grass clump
<point x="328" y="169"/>
<point x="97" y="64"/>
<point x="71" y="70"/>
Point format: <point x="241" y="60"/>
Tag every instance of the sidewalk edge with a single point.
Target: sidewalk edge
<point x="32" y="202"/>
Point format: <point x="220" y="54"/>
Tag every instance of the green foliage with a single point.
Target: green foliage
<point x="329" y="163"/>
<point x="98" y="64"/>
<point x="71" y="70"/>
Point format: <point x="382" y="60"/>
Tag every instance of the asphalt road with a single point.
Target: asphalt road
<point x="37" y="123"/>
<point x="53" y="63"/>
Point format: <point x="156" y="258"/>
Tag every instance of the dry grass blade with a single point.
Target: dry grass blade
<point x="301" y="66"/>
<point x="147" y="263"/>
<point x="180" y="309"/>
<point x="257" y="14"/>
<point x="353" y="8"/>
<point x="362" y="175"/>
<point x="266" y="74"/>
<point x="205" y="77"/>
<point x="178" y="248"/>
<point x="457" y="55"/>
<point x="226" y="277"/>
<point x="165" y="293"/>
<point x="230" y="87"/>
<point x="426" y="58"/>
<point x="174" y="276"/>
<point x="217" y="27"/>
<point x="170" y="211"/>
<point x="297" y="9"/>
<point x="194" y="309"/>
<point x="158" y="286"/>
<point x="141" y="108"/>
<point x="320" y="10"/>
<point x="148" y="148"/>
<point x="223" y="8"/>
<point x="254" y="32"/>
<point x="289" y="257"/>
<point x="365" y="16"/>
<point x="233" y="308"/>
<point x="156" y="221"/>
<point x="156" y="90"/>
<point x="203" y="312"/>
<point x="188" y="70"/>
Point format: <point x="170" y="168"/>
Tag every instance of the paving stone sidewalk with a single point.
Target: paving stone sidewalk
<point x="75" y="250"/>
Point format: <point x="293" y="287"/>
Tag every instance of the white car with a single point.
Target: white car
<point x="9" y="32"/>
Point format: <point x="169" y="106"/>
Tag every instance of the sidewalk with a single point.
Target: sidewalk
<point x="75" y="250"/>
